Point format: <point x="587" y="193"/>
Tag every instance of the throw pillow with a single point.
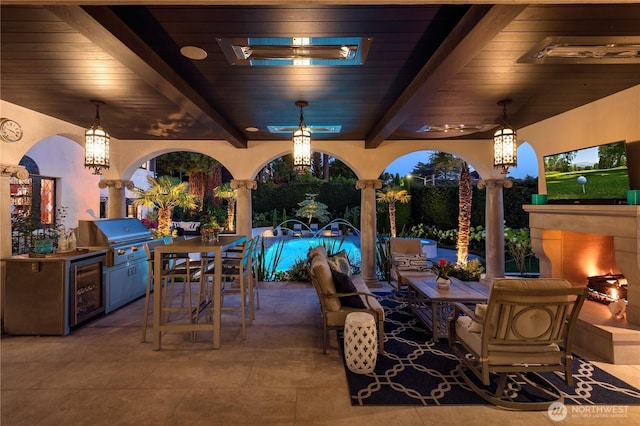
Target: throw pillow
<point x="340" y="262"/>
<point x="343" y="284"/>
<point x="323" y="282"/>
<point x="475" y="326"/>
<point x="411" y="262"/>
<point x="317" y="251"/>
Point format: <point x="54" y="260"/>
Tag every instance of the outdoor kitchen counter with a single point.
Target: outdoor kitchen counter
<point x="52" y="294"/>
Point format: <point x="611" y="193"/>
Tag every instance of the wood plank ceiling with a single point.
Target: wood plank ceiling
<point x="428" y="65"/>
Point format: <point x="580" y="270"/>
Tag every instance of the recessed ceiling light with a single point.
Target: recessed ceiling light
<point x="457" y="128"/>
<point x="296" y="51"/>
<point x="585" y="50"/>
<point x="193" y="52"/>
<point x="252" y="129"/>
<point x="312" y="129"/>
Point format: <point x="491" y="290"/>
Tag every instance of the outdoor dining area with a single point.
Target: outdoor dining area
<point x="214" y="264"/>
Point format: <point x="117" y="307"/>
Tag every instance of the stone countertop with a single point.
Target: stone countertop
<point x="52" y="257"/>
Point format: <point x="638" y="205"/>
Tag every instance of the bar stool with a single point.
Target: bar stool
<point x="178" y="272"/>
<point x="236" y="280"/>
<point x="360" y="342"/>
<point x="252" y="282"/>
<point x="148" y="248"/>
<point x="255" y="283"/>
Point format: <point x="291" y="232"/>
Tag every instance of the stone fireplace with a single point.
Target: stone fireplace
<point x="578" y="241"/>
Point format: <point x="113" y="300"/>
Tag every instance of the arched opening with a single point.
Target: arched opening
<point x="527" y="163"/>
<point x="40" y="204"/>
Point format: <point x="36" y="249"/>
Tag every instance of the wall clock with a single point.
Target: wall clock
<point x="10" y="130"/>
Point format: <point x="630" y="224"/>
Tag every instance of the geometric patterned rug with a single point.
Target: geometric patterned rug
<point x="416" y="371"/>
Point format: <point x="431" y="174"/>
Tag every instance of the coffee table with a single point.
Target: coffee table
<point x="433" y="305"/>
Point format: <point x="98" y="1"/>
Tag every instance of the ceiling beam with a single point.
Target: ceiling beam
<point x="309" y="3"/>
<point x="106" y="30"/>
<point x="477" y="28"/>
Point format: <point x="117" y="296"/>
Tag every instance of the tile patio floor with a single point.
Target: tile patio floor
<point x="102" y="375"/>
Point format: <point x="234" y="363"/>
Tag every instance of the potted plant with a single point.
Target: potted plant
<point x="442" y="269"/>
<point x="210" y="230"/>
<point x="32" y="236"/>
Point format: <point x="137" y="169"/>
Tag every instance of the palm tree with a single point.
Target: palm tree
<point x="447" y="162"/>
<point x="165" y="193"/>
<point x="204" y="172"/>
<point x="465" y="197"/>
<point x="225" y="192"/>
<point x="390" y="196"/>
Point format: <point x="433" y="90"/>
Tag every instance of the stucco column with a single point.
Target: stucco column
<point x="6" y="171"/>
<point x="116" y="205"/>
<point x="368" y="229"/>
<point x="494" y="225"/>
<point x="243" y="205"/>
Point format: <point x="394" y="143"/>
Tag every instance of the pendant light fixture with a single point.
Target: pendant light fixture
<point x="505" y="141"/>
<point x="96" y="145"/>
<point x="302" y="142"/>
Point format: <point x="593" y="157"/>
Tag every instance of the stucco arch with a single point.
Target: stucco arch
<point x="134" y="164"/>
<point x="464" y="157"/>
<point x="323" y="148"/>
<point x="477" y="153"/>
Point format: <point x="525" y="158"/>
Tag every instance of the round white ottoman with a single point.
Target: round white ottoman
<point x="360" y="342"/>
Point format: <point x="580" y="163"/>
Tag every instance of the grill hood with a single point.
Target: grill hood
<point x="111" y="232"/>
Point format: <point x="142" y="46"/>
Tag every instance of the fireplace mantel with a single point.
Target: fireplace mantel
<point x="621" y="223"/>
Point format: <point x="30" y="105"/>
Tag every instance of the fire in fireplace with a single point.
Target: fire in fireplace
<point x="607" y="288"/>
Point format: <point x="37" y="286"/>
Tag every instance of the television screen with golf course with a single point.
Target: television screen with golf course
<point x="592" y="175"/>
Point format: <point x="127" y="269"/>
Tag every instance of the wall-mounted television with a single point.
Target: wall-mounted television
<point x="593" y="175"/>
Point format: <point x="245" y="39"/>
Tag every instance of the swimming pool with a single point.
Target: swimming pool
<point x="297" y="248"/>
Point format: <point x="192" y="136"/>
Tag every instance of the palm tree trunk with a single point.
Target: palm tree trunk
<point x="465" y="195"/>
<point x="197" y="184"/>
<point x="231" y="213"/>
<point x="215" y="179"/>
<point x="164" y="221"/>
<point x="392" y="218"/>
<point x="325" y="167"/>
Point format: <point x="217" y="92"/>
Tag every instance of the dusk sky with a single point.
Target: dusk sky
<point x="527" y="163"/>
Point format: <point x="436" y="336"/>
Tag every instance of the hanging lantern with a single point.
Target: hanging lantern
<point x="96" y="145"/>
<point x="301" y="142"/>
<point x="505" y="143"/>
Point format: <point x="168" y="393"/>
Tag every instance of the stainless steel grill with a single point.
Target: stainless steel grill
<point x="124" y="239"/>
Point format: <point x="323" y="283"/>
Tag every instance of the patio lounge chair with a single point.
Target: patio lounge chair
<point x="526" y="327"/>
<point x="297" y="230"/>
<point x="314" y="228"/>
<point x="335" y="230"/>
<point x="336" y="305"/>
<point x="407" y="260"/>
